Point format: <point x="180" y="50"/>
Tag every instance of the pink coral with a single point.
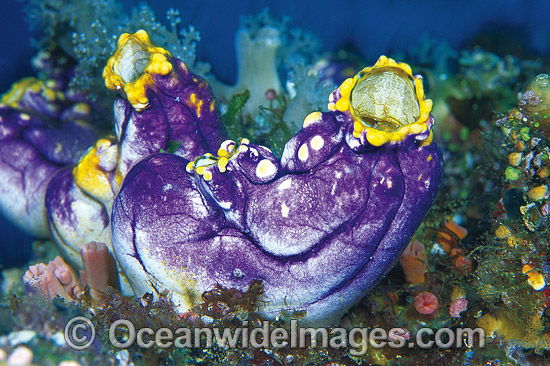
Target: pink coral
<point x="99" y="268"/>
<point x="426" y="303"/>
<point x="57" y="278"/>
<point x="458" y="306"/>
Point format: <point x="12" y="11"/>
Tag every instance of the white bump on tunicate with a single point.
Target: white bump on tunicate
<point x="265" y="169"/>
<point x="108" y="157"/>
<point x="285" y="184"/>
<point x="338" y="175"/>
<point x="312" y="118"/>
<point x="317" y="143"/>
<point x="284" y="210"/>
<point x="238" y="273"/>
<point x="303" y="153"/>
<point x="225" y="205"/>
<point x="167" y="187"/>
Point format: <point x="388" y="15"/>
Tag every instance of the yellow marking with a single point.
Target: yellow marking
<point x="48" y="94"/>
<point x="82" y="107"/>
<point x="429" y="158"/>
<point x="317" y="143"/>
<point x="212" y="106"/>
<point x="158" y="63"/>
<point x="189" y="167"/>
<point x="58" y="147"/>
<point x="227" y="148"/>
<point x="89" y="176"/>
<point x="222" y="164"/>
<point x="342" y="105"/>
<point x="284" y="210"/>
<point x="119" y="178"/>
<point x="265" y="168"/>
<point x="195" y="102"/>
<point x="428" y="141"/>
<point x="420" y="177"/>
<point x="25" y="116"/>
<point x="311" y="119"/>
<point x="207" y="176"/>
<point x="17" y="91"/>
<point x="374" y="136"/>
<point x="303" y="152"/>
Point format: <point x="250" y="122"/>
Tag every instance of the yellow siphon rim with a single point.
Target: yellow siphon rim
<point x="374" y="136"/>
<point x="135" y="90"/>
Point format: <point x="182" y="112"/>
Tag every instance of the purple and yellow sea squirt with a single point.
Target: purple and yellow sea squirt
<point x="319" y="227"/>
<point x="44" y="126"/>
<point x="160" y="102"/>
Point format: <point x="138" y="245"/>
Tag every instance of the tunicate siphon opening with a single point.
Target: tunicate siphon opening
<point x="132" y="62"/>
<point x="385" y="100"/>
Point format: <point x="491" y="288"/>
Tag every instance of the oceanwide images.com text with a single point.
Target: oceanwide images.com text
<point x="80" y="334"/>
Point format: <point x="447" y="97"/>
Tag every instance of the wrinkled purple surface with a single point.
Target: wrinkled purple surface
<point x="350" y="214"/>
<point x="169" y="117"/>
<point x="32" y="149"/>
<point x="75" y="217"/>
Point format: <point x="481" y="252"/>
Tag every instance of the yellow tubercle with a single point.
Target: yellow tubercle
<point x="222" y="164"/>
<point x="342" y="105"/>
<point x="204" y="164"/>
<point x="312" y="118"/>
<point x="83" y="108"/>
<point x="429" y="140"/>
<point x="133" y="65"/>
<point x="13" y="96"/>
<point x="365" y="96"/>
<point x="90" y="177"/>
<point x="200" y="170"/>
